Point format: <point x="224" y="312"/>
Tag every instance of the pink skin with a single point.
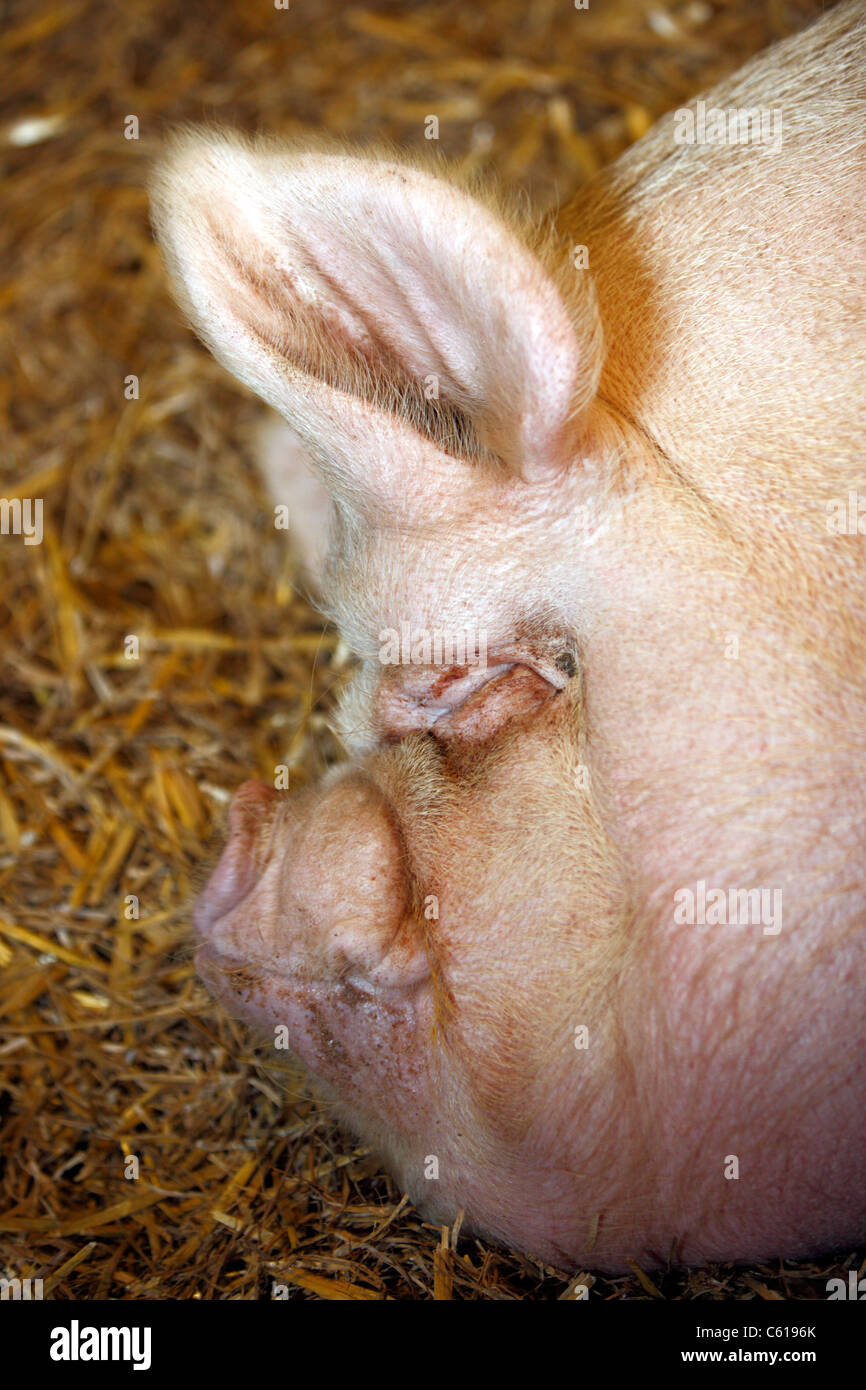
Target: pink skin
<point x="473" y="930"/>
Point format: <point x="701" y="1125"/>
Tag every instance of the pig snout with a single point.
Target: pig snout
<point x="307" y="933"/>
<point x="312" y="886"/>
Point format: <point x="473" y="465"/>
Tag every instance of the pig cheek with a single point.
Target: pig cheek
<point x="368" y="1047"/>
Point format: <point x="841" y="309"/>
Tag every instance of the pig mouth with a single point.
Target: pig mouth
<point x="231" y="975"/>
<point x="243" y="987"/>
<point x="219" y="970"/>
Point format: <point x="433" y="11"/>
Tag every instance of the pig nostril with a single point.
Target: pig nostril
<point x="253" y="822"/>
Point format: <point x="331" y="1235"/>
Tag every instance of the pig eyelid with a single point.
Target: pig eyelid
<point x="428" y="695"/>
<point x="422" y="700"/>
<point x="462" y="690"/>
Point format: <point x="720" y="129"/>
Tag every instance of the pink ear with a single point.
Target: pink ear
<point x="349" y="291"/>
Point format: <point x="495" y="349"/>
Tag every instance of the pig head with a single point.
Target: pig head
<point x="611" y="660"/>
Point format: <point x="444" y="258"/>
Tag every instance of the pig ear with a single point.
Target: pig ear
<point x="349" y="291"/>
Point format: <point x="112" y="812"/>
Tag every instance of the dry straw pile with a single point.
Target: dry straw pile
<point x="156" y="650"/>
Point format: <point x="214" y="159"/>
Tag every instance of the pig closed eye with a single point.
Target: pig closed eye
<point x="460" y="704"/>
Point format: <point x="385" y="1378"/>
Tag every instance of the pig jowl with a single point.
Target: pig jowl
<point x="576" y="936"/>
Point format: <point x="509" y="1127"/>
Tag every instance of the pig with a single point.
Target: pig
<point x="575" y="937"/>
